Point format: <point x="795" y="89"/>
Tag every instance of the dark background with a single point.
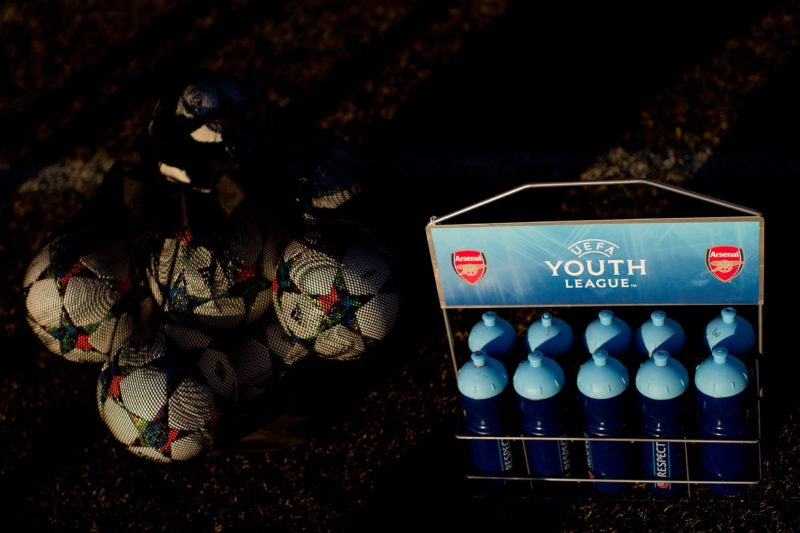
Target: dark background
<point x="449" y="102"/>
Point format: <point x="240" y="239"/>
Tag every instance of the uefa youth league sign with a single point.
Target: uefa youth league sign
<point x="694" y="261"/>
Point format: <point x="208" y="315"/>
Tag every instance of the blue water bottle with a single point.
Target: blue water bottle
<point x="608" y="333"/>
<point x="660" y="333"/>
<point x="492" y="335"/>
<point x="538" y="382"/>
<point x="602" y="382"/>
<point x="661" y="383"/>
<point x="730" y="331"/>
<point x="721" y="381"/>
<point x="481" y="383"/>
<point x="550" y="335"/>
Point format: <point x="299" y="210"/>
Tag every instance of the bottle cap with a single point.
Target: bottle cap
<point x="730" y="331"/>
<point x="662" y="377"/>
<point x="538" y="377"/>
<point x="482" y="377"/>
<point x="492" y="335"/>
<point x="608" y="333"/>
<point x="602" y="377"/>
<point x="660" y="333"/>
<point x="550" y="335"/>
<point x="721" y="375"/>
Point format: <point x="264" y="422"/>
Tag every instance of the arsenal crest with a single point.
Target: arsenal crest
<point x="724" y="262"/>
<point x="470" y="265"/>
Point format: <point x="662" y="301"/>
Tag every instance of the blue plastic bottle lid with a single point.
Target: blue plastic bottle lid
<point x="602" y="377"/>
<point x="722" y="375"/>
<point x="482" y="377"/>
<point x="660" y="333"/>
<point x="538" y="377"/>
<point x="608" y="333"/>
<point x="662" y="377"/>
<point x="731" y="331"/>
<point x="550" y="335"/>
<point x="492" y="335"/>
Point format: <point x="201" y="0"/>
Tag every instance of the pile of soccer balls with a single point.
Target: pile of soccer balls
<point x="195" y="304"/>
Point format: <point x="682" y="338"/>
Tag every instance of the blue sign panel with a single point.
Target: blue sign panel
<point x="670" y="262"/>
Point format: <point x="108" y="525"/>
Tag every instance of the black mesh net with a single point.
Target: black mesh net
<point x="190" y="279"/>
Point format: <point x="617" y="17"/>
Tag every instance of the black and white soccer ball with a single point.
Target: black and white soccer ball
<point x="81" y="299"/>
<point x="165" y="396"/>
<point x="213" y="279"/>
<point x="337" y="299"/>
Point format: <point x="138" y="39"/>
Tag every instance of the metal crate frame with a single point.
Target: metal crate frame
<point x="461" y="434"/>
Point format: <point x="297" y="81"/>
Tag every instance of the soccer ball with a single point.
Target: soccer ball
<point x="81" y="301"/>
<point x="287" y="352"/>
<point x="204" y="128"/>
<point x="264" y="358"/>
<point x="207" y="280"/>
<point x="165" y="397"/>
<point x="327" y="178"/>
<point x="339" y="300"/>
<point x="201" y="349"/>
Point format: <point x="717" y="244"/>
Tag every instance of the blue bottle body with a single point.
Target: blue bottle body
<point x="723" y="418"/>
<point x="606" y="460"/>
<point x="721" y="382"/>
<point x="602" y="385"/>
<point x="485" y="418"/>
<point x="481" y="383"/>
<point x="663" y="461"/>
<point x="538" y="382"/>
<point x="661" y="383"/>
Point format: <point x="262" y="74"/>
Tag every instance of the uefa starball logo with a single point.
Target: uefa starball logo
<point x="595" y="266"/>
<point x="725" y="262"/>
<point x="470" y="265"/>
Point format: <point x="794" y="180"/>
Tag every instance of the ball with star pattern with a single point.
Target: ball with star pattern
<point x="81" y="300"/>
<point x="165" y="396"/>
<point x="213" y="279"/>
<point x="336" y="299"/>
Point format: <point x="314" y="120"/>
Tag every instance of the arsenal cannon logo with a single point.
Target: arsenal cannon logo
<point x="724" y="262"/>
<point x="470" y="265"/>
